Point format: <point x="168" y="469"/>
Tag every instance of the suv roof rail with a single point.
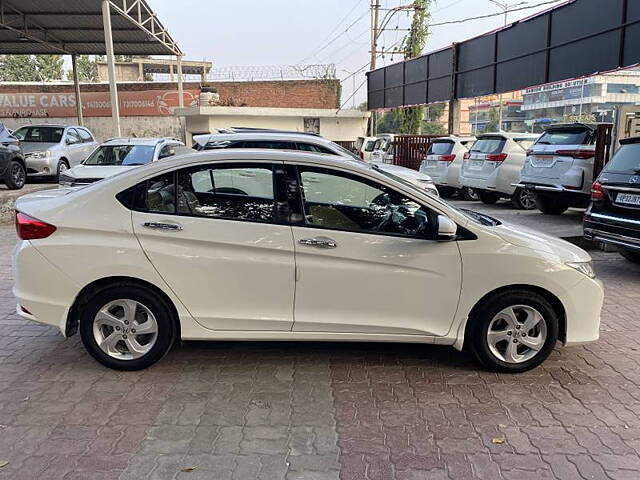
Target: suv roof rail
<point x="269" y="130"/>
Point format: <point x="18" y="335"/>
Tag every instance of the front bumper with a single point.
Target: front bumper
<point x="583" y="305"/>
<point x="41" y="166"/>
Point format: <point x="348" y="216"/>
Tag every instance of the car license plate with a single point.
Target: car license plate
<point x="432" y="163"/>
<point x="628" y="198"/>
<point x="477" y="164"/>
<point x="542" y="160"/>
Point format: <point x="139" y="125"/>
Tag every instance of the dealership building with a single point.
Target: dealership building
<point x="595" y="97"/>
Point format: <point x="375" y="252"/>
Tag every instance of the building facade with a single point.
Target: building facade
<point x="593" y="98"/>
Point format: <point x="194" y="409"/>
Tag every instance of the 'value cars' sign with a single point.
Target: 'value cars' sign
<point x="94" y="104"/>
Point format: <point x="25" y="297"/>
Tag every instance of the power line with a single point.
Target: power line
<point x="463" y="20"/>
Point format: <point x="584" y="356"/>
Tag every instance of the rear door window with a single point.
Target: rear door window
<point x="566" y="136"/>
<point x="86" y="136"/>
<point x="626" y="159"/>
<point x="440" y="148"/>
<point x="489" y="145"/>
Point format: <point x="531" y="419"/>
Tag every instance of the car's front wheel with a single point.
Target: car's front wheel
<point x="16" y="176"/>
<point x="127" y="327"/>
<point x="631" y="255"/>
<point x="513" y="332"/>
<point x="524" y="199"/>
<point x="63" y="166"/>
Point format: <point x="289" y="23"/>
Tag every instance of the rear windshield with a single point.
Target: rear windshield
<point x="626" y="159"/>
<point x="121" y="155"/>
<point x="525" y="143"/>
<point x="440" y="148"/>
<point x="39" y="134"/>
<point x="489" y="145"/>
<point x="566" y="136"/>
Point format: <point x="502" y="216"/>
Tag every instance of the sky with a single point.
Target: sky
<point x="297" y="32"/>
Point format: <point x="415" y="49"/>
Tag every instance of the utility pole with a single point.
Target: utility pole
<point x="375" y="13"/>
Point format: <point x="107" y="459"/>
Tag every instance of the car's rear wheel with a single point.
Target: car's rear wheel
<point x="631" y="255"/>
<point x="489" y="198"/>
<point x="127" y="327"/>
<point x="16" y="176"/>
<point x="470" y="194"/>
<point x="446" y="192"/>
<point x="551" y="205"/>
<point x="513" y="331"/>
<point x="524" y="199"/>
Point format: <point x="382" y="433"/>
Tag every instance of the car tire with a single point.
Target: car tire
<point x="550" y="205"/>
<point x="62" y="167"/>
<point x="446" y="192"/>
<point x="489" y="198"/>
<point x="16" y="175"/>
<point x="524" y="199"/>
<point x="506" y="352"/>
<point x="470" y="194"/>
<point x="113" y="339"/>
<point x="631" y="255"/>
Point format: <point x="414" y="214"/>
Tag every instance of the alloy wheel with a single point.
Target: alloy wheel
<point x="125" y="329"/>
<point x="18" y="175"/>
<point x="516" y="334"/>
<point x="527" y="199"/>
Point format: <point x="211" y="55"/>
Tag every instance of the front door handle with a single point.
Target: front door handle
<point x="173" y="227"/>
<point x="318" y="242"/>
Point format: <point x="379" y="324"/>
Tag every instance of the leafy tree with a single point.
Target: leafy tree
<point x="494" y="121"/>
<point x="389" y="122"/>
<point x="87" y="69"/>
<point x="411" y="119"/>
<point x="49" y="67"/>
<point x="18" y="68"/>
<point x="362" y="107"/>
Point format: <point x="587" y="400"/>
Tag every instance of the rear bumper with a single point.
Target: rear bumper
<point x="43" y="292"/>
<point x="614" y="230"/>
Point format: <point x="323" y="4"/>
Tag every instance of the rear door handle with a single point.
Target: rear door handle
<point x="318" y="242"/>
<point x="173" y="227"/>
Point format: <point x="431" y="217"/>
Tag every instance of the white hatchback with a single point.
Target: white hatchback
<point x="492" y="167"/>
<point x="270" y="245"/>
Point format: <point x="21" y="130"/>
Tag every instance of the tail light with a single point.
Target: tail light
<point x="497" y="157"/>
<point x="467" y="155"/>
<point x="29" y="228"/>
<point x="597" y="192"/>
<point x="447" y="158"/>
<point x="580" y="154"/>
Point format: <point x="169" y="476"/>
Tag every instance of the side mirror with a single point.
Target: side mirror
<point x="447" y="229"/>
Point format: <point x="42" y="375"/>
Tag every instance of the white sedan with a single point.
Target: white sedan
<point x="272" y="245"/>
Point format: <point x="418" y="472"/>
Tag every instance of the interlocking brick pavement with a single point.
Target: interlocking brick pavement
<point x="232" y="410"/>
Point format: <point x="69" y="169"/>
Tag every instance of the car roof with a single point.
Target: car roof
<point x="510" y="135"/>
<point x="260" y="135"/>
<point x="54" y="125"/>
<point x="455" y="138"/>
<point x="150" y="141"/>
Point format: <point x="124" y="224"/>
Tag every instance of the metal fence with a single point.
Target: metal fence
<point x="410" y="150"/>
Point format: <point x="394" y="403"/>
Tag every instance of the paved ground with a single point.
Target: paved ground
<point x="321" y="411"/>
<point x="8" y="198"/>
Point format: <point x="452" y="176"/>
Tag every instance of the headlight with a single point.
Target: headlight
<point x="66" y="180"/>
<point x="40" y="154"/>
<point x="585" y="268"/>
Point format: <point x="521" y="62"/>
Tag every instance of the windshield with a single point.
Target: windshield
<point x="566" y="136"/>
<point x="381" y="144"/>
<point x="489" y="145"/>
<point x="39" y="134"/>
<point x="440" y="148"/>
<point x="626" y="159"/>
<point x="121" y="155"/>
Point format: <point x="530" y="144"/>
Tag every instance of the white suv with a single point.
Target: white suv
<point x="493" y="165"/>
<point x="443" y="162"/>
<point x="559" y="167"/>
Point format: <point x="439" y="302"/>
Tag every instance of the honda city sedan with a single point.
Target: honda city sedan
<point x="273" y="245"/>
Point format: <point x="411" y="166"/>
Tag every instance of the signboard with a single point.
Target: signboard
<point x="94" y="104"/>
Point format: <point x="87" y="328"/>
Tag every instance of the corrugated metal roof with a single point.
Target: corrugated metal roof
<point x="75" y="26"/>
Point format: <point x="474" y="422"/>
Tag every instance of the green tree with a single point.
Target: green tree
<point x="389" y="122"/>
<point x="87" y="69"/>
<point x="494" y="121"/>
<point x="411" y="119"/>
<point x="49" y="67"/>
<point x="18" y="68"/>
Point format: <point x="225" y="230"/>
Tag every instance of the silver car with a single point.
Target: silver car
<point x="50" y="150"/>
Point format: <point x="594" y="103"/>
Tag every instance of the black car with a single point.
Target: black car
<point x="12" y="168"/>
<point x="614" y="214"/>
